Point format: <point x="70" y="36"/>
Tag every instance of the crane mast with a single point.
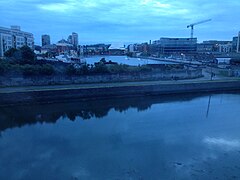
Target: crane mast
<point x="194" y="24"/>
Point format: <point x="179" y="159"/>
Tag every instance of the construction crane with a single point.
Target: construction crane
<point x="194" y="24"/>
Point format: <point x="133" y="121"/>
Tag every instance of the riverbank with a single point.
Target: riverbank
<point x="59" y="93"/>
<point x="171" y="60"/>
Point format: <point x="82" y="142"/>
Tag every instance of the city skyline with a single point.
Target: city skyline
<point x="107" y="21"/>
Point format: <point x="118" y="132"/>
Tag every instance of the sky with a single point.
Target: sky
<point x="122" y="21"/>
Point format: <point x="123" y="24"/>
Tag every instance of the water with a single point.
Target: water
<point x="171" y="137"/>
<point x="124" y="60"/>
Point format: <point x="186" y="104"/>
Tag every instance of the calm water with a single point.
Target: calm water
<point x="176" y="137"/>
<point x="124" y="60"/>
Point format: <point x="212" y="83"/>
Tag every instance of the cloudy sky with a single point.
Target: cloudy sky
<point x="122" y="20"/>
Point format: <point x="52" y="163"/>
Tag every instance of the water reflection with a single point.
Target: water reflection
<point x="17" y="116"/>
<point x="128" y="138"/>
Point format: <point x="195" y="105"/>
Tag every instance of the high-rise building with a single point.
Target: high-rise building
<point x="70" y="39"/>
<point x="14" y="38"/>
<point x="46" y="40"/>
<point x="75" y="40"/>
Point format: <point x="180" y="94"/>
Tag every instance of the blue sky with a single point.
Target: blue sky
<point x="122" y="20"/>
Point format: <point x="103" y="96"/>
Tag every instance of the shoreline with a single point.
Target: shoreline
<point x="63" y="93"/>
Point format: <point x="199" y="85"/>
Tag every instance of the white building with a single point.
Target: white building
<point x="14" y="38"/>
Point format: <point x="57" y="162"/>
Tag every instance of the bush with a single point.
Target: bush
<point x="83" y="70"/>
<point x="145" y="68"/>
<point x="29" y="70"/>
<point x="119" y="68"/>
<point x="46" y="69"/>
<point x="71" y="70"/>
<point x="100" y="68"/>
<point x="3" y="67"/>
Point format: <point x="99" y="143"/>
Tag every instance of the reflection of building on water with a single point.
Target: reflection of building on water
<point x="209" y="103"/>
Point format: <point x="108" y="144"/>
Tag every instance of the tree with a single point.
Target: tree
<point x="46" y="69"/>
<point x="70" y="70"/>
<point x="10" y="53"/>
<point x="24" y="55"/>
<point x="28" y="55"/>
<point x="3" y="67"/>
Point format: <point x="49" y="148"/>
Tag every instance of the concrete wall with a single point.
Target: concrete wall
<point x="53" y="80"/>
<point x="111" y="92"/>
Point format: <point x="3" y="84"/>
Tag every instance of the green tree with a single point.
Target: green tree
<point x="10" y="53"/>
<point x="27" y="55"/>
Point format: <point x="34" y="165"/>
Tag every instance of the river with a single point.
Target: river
<point x="159" y="137"/>
<point x="124" y="60"/>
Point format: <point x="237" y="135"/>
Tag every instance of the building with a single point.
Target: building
<point x="95" y="49"/>
<point x="64" y="46"/>
<point x="117" y="49"/>
<point x="14" y="38"/>
<point x="46" y="40"/>
<point x="214" y="46"/>
<point x="236" y="44"/>
<point x="70" y="39"/>
<point x="177" y="45"/>
<point x="75" y="40"/>
<point x="51" y="49"/>
<point x="131" y="48"/>
<point x="225" y="48"/>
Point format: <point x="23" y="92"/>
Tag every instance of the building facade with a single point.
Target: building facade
<point x="214" y="46"/>
<point x="75" y="40"/>
<point x="178" y="45"/>
<point x="236" y="44"/>
<point x="46" y="40"/>
<point x="70" y="39"/>
<point x="64" y="47"/>
<point x="14" y="38"/>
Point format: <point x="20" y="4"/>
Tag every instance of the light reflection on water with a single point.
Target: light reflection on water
<point x="135" y="138"/>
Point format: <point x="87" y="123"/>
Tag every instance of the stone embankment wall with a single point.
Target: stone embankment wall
<point x="6" y="81"/>
<point x="60" y="95"/>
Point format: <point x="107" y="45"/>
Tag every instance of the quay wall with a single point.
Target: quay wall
<point x="61" y="95"/>
<point x="8" y="81"/>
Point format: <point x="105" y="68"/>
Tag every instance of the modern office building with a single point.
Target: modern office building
<point x="178" y="45"/>
<point x="14" y="38"/>
<point x="46" y="40"/>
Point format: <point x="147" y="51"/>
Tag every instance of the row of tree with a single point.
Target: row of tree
<point x="24" y="61"/>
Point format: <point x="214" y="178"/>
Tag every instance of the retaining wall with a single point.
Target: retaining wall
<point x="7" y="81"/>
<point x="111" y="92"/>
